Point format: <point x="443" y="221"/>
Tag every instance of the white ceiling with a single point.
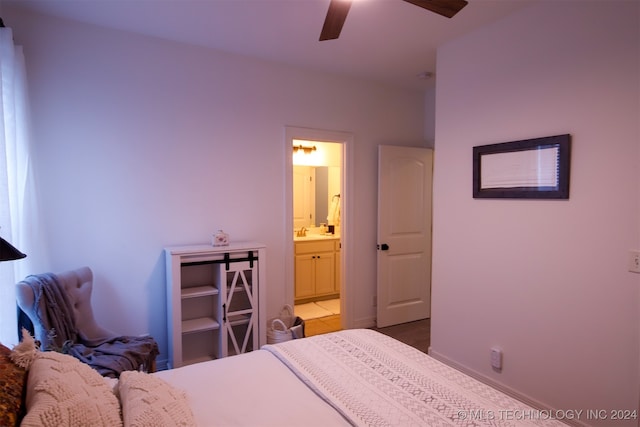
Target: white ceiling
<point x="389" y="41"/>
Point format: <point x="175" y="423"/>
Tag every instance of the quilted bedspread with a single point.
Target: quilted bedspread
<point x="373" y="380"/>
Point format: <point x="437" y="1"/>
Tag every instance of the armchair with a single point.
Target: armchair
<point x="59" y="307"/>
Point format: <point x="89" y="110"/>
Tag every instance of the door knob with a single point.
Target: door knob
<point x="383" y="247"/>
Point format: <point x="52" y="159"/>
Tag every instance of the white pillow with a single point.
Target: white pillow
<point x="149" y="401"/>
<point x="61" y="390"/>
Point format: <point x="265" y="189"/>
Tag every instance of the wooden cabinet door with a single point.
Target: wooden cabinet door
<point x="304" y="272"/>
<point x="325" y="273"/>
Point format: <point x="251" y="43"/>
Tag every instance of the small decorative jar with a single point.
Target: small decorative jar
<point x="220" y="238"/>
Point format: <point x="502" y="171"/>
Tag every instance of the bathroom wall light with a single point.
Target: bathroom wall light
<point x="305" y="150"/>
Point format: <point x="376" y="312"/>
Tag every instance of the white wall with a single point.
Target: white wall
<point x="143" y="143"/>
<point x="430" y="116"/>
<point x="547" y="281"/>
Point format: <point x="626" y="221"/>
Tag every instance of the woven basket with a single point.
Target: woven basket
<point x="285" y="327"/>
<point x="278" y="332"/>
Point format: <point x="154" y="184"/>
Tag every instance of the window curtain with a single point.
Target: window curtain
<point x="17" y="196"/>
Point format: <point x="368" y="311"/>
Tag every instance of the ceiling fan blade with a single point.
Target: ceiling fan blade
<point x="446" y="8"/>
<point x="334" y="21"/>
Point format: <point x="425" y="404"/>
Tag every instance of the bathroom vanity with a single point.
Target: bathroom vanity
<point x="317" y="267"/>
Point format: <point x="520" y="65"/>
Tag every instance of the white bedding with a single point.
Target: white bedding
<point x="352" y="377"/>
<point x="251" y="390"/>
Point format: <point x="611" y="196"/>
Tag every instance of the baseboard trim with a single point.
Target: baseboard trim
<point x="364" y="323"/>
<point x="528" y="400"/>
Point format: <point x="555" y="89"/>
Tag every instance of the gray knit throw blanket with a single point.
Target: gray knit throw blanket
<point x="109" y="357"/>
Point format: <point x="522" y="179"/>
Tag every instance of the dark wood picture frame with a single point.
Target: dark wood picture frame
<point x="529" y="169"/>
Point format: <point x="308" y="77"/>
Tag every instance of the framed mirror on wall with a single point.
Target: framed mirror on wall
<point x="529" y="169"/>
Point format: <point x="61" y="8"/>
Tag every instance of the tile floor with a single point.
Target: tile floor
<point x="321" y="321"/>
<point x="318" y="309"/>
<point x="320" y="317"/>
<point x="322" y="325"/>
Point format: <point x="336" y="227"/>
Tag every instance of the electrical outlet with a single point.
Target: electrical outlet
<point x="496" y="358"/>
<point x="634" y="261"/>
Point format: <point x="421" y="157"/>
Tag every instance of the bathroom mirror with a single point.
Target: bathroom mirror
<point x="315" y="188"/>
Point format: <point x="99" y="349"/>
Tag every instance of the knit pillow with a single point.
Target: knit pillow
<point x="149" y="401"/>
<point x="25" y="351"/>
<point x="12" y="380"/>
<point x="61" y="390"/>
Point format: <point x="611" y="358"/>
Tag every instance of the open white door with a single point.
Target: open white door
<point x="404" y="234"/>
<point x="303" y="196"/>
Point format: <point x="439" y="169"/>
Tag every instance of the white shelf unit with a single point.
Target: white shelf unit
<point x="215" y="301"/>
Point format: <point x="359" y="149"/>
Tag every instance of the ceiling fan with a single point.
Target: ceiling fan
<point x="338" y="10"/>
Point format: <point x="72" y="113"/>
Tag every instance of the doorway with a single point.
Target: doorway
<point x="317" y="227"/>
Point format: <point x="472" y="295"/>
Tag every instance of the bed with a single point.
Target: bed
<point x="352" y="377"/>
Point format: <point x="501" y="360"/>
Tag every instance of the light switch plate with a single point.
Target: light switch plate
<point x="634" y="261"/>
